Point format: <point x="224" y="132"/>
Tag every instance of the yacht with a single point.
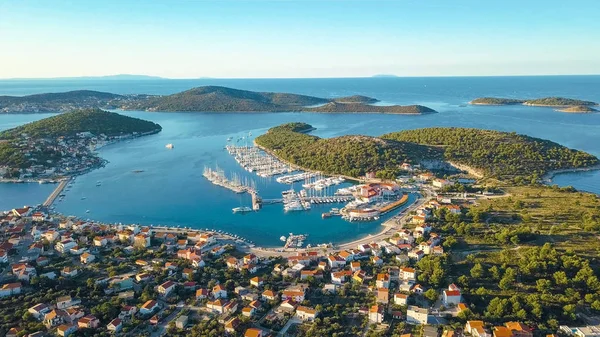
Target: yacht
<point x="169" y="146"/>
<point x="242" y="209"/>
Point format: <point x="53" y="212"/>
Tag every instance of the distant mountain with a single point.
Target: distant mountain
<point x="85" y="78"/>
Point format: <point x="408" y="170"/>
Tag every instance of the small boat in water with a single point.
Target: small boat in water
<point x="243" y="209"/>
<point x="169" y="146"/>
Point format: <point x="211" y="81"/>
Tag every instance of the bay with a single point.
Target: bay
<point x="172" y="191"/>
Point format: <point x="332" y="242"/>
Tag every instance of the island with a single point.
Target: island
<point x="567" y="104"/>
<point x="578" y="109"/>
<point x="337" y="107"/>
<point x="65" y="144"/>
<point x="201" y="99"/>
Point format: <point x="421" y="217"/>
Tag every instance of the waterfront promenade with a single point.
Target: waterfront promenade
<point x="57" y="191"/>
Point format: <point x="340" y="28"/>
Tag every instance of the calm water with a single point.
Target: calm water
<point x="171" y="190"/>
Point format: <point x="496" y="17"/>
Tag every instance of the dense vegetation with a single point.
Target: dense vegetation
<point x="293" y="126"/>
<point x="219" y="99"/>
<point x="347" y="155"/>
<point x="95" y="121"/>
<point x="359" y="107"/>
<point x="496" y="101"/>
<point x="531" y="256"/>
<point x="558" y="101"/>
<point x="356" y="99"/>
<point x="502" y="155"/>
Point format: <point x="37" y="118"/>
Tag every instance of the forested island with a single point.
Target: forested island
<point x="575" y="105"/>
<point x="201" y="99"/>
<point x="62" y="145"/>
<point x="501" y="155"/>
<point x="222" y="99"/>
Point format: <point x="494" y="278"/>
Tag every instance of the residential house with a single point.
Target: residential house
<point x="416" y="315"/>
<point x="306" y="313"/>
<point x="86" y="258"/>
<point x="88" y="322"/>
<point x="166" y="288"/>
<point x="219" y="291"/>
<point x="115" y="325"/>
<point x="149" y="307"/>
<point x="400" y="299"/>
<point x="66" y="330"/>
<point x="376" y="314"/>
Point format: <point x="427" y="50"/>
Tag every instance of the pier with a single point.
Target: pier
<point x="313" y="200"/>
<point x="57" y="191"/>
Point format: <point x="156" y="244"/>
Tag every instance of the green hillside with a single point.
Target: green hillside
<point x="95" y="121"/>
<point x="500" y="155"/>
<point x="347" y="155"/>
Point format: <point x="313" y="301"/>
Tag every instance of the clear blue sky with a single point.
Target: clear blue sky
<point x="310" y="38"/>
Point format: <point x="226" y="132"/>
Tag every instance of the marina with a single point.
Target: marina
<point x="253" y="159"/>
<point x="235" y="184"/>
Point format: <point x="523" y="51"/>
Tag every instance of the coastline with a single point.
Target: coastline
<point x="547" y="178"/>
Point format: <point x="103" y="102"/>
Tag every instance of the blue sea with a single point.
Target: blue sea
<point x="172" y="191"/>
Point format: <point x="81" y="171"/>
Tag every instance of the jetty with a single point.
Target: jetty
<point x="57" y="191"/>
<point x="253" y="159"/>
<point x="235" y="184"/>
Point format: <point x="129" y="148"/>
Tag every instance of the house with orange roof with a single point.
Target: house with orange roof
<point x="359" y="276"/>
<point x="86" y="258"/>
<point x="66" y="330"/>
<point x="383" y="280"/>
<point x="376" y="313"/>
<point x="219" y="291"/>
<point x="149" y="307"/>
<point x="217" y="305"/>
<point x="232" y="324"/>
<point x="306" y="313"/>
<point x="201" y="293"/>
<point x="88" y="322"/>
<point x="519" y="329"/>
<point x="254" y="332"/>
<point x="400" y="299"/>
<point x="269" y="295"/>
<point x="501" y="331"/>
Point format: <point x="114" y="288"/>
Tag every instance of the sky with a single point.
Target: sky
<point x="292" y="39"/>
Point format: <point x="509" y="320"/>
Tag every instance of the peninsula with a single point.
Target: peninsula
<point x="490" y="152"/>
<point x="566" y="104"/>
<point x="353" y="155"/>
<point x="63" y="145"/>
<point x="500" y="155"/>
<point x="201" y="99"/>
